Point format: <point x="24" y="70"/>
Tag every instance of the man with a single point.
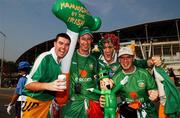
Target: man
<point x="83" y="69"/>
<point x="139" y="91"/>
<point x="108" y="58"/>
<point x="43" y="81"/>
<point x="23" y="69"/>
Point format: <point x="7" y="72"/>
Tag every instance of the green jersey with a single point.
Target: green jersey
<point x="45" y="69"/>
<point x="83" y="69"/>
<point x="139" y="82"/>
<point x="136" y="89"/>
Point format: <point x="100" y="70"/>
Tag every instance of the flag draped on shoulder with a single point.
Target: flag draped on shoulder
<point x="172" y="94"/>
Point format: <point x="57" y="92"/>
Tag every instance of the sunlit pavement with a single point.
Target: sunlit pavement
<point x="5" y="97"/>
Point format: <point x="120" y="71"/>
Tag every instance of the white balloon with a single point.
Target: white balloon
<point x="66" y="62"/>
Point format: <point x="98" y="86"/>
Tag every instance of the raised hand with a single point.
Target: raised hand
<point x="155" y="61"/>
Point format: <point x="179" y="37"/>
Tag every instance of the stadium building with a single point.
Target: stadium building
<point x="154" y="38"/>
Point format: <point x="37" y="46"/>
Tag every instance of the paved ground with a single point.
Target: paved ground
<point x="5" y="97"/>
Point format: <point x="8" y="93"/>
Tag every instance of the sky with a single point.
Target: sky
<point x="27" y="23"/>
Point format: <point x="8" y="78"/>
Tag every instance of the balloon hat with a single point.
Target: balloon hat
<point x="75" y="15"/>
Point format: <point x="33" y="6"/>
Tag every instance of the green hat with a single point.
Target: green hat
<point x="85" y="31"/>
<point x="103" y="74"/>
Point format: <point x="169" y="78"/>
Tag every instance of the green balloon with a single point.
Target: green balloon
<point x="75" y="15"/>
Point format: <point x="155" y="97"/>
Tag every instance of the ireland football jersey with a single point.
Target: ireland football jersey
<point x="139" y="82"/>
<point x="83" y="69"/>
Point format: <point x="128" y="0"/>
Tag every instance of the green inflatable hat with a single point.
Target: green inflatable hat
<point x="103" y="74"/>
<point x="85" y="31"/>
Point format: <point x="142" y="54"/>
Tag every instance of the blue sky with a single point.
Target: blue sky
<point x="27" y="23"/>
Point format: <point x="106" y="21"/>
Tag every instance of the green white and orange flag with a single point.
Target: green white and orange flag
<point x="170" y="92"/>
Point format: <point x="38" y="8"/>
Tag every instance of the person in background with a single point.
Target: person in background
<point x="45" y="79"/>
<point x="82" y="103"/>
<point x="171" y="74"/>
<point x="17" y="99"/>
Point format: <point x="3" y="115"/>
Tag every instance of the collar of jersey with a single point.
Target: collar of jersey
<point x="114" y="60"/>
<point x="82" y="54"/>
<point x="130" y="72"/>
<point x="54" y="55"/>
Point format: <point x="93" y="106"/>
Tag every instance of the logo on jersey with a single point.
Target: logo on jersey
<point x="133" y="95"/>
<point x="91" y="66"/>
<point x="141" y="84"/>
<point x="83" y="73"/>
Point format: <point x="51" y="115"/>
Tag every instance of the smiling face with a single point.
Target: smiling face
<point x="126" y="62"/>
<point x="85" y="44"/>
<point x="61" y="47"/>
<point x="108" y="51"/>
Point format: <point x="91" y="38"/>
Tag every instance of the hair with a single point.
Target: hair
<point x="27" y="70"/>
<point x="64" y="35"/>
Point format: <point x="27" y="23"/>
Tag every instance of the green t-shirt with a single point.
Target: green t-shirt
<point x="139" y="82"/>
<point x="104" y="65"/>
<point x="83" y="69"/>
<point x="45" y="69"/>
